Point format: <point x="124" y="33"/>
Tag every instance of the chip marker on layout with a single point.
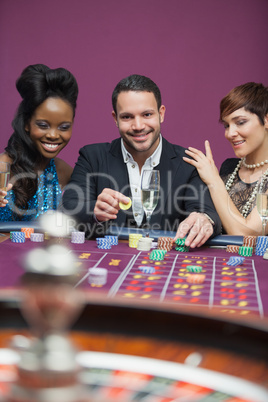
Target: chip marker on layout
<point x="194" y="268"/>
<point x="27" y="232"/>
<point x="246" y="251"/>
<point x="77" y="237"/>
<point x="97" y="276"/>
<point x="196" y="278"/>
<point x="144" y="244"/>
<point x="235" y="261"/>
<point x="157" y="255"/>
<point x="18" y="237"/>
<point x="134" y="239"/>
<point x="37" y="237"/>
<point x="261" y="245"/>
<point x="180" y="241"/>
<point x="146" y="269"/>
<point x="113" y="239"/>
<point x="103" y="243"/>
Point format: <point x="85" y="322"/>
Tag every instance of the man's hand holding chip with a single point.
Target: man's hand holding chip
<point x="109" y="202"/>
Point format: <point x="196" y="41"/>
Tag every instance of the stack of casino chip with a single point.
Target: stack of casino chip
<point x="77" y="237"/>
<point x="97" y="276"/>
<point x="261" y="245"/>
<point x="157" y="255"/>
<point x="27" y="232"/>
<point x="181" y="245"/>
<point x="235" y="261"/>
<point x="245" y="251"/>
<point x="47" y="236"/>
<point x="37" y="237"/>
<point x="134" y="239"/>
<point x="195" y="275"/>
<point x="250" y="241"/>
<point x="103" y="243"/>
<point x="18" y="237"/>
<point x="194" y="268"/>
<point x="113" y="239"/>
<point x="232" y="248"/>
<point x="165" y="243"/>
<point x="195" y="278"/>
<point x="182" y="249"/>
<point x="265" y="255"/>
<point x="180" y="242"/>
<point x="144" y="244"/>
<point x="147" y="269"/>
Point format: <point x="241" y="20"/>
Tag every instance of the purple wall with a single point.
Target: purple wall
<point x="195" y="50"/>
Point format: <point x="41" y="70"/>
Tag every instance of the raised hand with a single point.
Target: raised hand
<point x="203" y="163"/>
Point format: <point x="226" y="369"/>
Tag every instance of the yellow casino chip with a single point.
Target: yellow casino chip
<point x="125" y="206"/>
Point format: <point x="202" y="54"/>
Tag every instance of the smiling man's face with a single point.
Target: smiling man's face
<point x="138" y="120"/>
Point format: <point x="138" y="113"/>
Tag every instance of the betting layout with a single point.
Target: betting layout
<point x="232" y="289"/>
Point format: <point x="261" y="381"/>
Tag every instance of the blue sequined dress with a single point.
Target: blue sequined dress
<point x="47" y="197"/>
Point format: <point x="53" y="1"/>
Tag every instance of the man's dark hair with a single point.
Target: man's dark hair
<point x="138" y="83"/>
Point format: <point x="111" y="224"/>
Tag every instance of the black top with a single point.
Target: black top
<point x="240" y="191"/>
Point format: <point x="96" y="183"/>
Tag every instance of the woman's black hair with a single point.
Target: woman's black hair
<point x="36" y="84"/>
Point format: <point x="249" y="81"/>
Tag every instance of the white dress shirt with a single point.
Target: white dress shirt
<point x="135" y="177"/>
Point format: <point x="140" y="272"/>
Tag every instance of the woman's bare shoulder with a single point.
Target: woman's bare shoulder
<point x="64" y="171"/>
<point x="5" y="158"/>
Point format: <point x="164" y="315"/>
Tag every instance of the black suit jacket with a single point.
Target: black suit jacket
<point x="102" y="166"/>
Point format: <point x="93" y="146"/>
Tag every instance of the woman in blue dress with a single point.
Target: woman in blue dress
<point x="42" y="128"/>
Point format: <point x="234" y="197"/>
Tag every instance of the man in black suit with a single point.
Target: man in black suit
<point x="107" y="173"/>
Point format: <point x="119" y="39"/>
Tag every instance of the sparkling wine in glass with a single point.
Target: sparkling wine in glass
<point x="4" y="178"/>
<point x="4" y="175"/>
<point x="262" y="207"/>
<point x="150" y="187"/>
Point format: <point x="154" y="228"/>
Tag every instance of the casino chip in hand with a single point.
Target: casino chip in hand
<point x="125" y="206"/>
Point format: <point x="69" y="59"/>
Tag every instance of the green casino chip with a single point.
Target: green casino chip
<point x="183" y="249"/>
<point x="180" y="242"/>
<point x="194" y="268"/>
<point x="245" y="251"/>
<point x="157" y="255"/>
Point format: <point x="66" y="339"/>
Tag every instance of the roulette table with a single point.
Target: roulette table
<point x="156" y="337"/>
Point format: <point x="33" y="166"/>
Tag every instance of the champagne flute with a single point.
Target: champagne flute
<point x="262" y="208"/>
<point x="150" y="187"/>
<point x="4" y="178"/>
